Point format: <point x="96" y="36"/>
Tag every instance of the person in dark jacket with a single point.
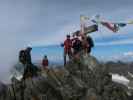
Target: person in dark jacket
<point x="28" y="55"/>
<point x="28" y="70"/>
<point x="22" y="57"/>
<point x="77" y="45"/>
<point x="25" y="56"/>
<point x="91" y="44"/>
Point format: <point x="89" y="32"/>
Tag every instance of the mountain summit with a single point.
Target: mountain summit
<point x="82" y="79"/>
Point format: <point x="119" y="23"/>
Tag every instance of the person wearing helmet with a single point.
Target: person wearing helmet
<point x="28" y="63"/>
<point x="67" y="48"/>
<point x="28" y="55"/>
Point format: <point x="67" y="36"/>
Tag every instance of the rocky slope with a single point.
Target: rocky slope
<point x="83" y="79"/>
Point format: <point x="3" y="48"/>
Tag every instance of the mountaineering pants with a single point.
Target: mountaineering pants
<point x="69" y="53"/>
<point x="28" y="70"/>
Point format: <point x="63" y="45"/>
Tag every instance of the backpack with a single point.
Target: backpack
<point x="90" y="41"/>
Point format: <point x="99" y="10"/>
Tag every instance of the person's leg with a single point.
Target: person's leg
<point x="25" y="72"/>
<point x="70" y="55"/>
<point x="28" y="70"/>
<point x="86" y="50"/>
<point x="89" y="50"/>
<point x="64" y="58"/>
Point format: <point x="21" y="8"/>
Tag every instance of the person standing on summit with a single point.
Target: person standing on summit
<point x="28" y="63"/>
<point x="28" y="55"/>
<point x="67" y="48"/>
<point x="45" y="62"/>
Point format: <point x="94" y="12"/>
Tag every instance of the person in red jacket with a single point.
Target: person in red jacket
<point x="67" y="48"/>
<point x="45" y="62"/>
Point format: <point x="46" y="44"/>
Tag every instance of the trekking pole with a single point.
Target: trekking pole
<point x="13" y="92"/>
<point x="10" y="95"/>
<point x="22" y="88"/>
<point x="23" y="84"/>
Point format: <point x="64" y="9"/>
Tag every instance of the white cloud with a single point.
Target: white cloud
<point x="116" y="42"/>
<point x="58" y="36"/>
<point x="126" y="56"/>
<point x="130" y="53"/>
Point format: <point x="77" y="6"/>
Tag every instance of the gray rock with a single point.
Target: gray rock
<point x="85" y="79"/>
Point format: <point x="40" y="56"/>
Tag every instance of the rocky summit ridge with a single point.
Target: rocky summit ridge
<point x="82" y="79"/>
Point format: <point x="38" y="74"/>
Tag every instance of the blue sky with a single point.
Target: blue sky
<point x="44" y="22"/>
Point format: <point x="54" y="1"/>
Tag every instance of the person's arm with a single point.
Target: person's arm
<point x="62" y="44"/>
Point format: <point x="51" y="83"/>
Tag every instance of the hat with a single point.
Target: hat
<point x="29" y="48"/>
<point x="68" y="35"/>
